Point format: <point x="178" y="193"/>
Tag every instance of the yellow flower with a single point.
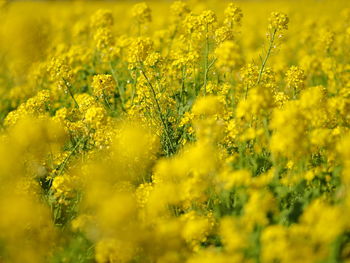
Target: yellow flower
<point x="207" y="106"/>
<point x="295" y="78"/>
<point x="278" y="21"/>
<point x="179" y="9"/>
<point x="228" y="56"/>
<point x="102" y="18"/>
<point x="233" y="15"/>
<point x="95" y="117"/>
<point x="103" y="85"/>
<point x="141" y="12"/>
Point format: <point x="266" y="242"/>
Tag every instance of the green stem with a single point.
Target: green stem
<point x="272" y="39"/>
<point x="68" y="86"/>
<point x="64" y="163"/>
<point x="159" y="112"/>
<point x="206" y="72"/>
<point x="206" y="62"/>
<point x="295" y="93"/>
<point x="121" y="93"/>
<point x="246" y="92"/>
<point x="133" y="90"/>
<point x="106" y="101"/>
<point x="182" y="97"/>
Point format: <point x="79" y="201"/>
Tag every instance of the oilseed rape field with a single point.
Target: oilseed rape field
<point x="175" y="131"/>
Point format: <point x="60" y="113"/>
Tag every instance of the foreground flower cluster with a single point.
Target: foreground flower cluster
<point x="175" y="132"/>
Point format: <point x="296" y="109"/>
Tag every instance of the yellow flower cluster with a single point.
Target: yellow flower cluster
<point x="278" y="21"/>
<point x="142" y="13"/>
<point x="295" y="78"/>
<point x="103" y="85"/>
<point x="197" y="131"/>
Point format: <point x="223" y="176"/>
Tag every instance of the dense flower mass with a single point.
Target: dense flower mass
<point x="171" y="132"/>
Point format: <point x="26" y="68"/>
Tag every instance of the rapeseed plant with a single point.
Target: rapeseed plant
<point x="175" y="132"/>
